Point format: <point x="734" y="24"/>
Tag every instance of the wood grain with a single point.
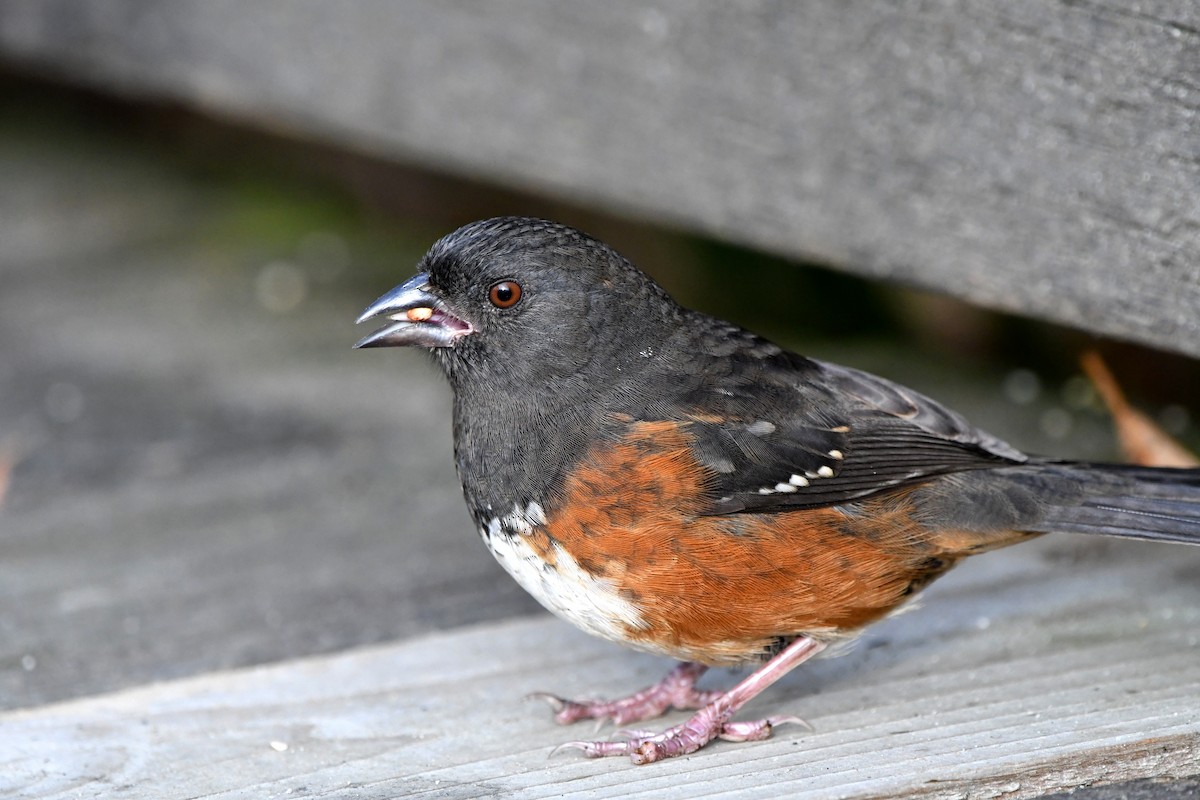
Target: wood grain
<point x="1030" y="670"/>
<point x="1037" y="156"/>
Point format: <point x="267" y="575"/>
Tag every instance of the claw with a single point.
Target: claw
<point x="758" y="729"/>
<point x="555" y="702"/>
<point x="790" y="720"/>
<point x="568" y="711"/>
<point x="562" y="747"/>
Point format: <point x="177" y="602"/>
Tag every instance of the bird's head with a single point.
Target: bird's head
<point x="518" y="299"/>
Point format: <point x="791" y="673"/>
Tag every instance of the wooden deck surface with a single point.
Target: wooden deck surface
<point x="1044" y="667"/>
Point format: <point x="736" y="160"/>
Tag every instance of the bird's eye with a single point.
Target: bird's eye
<point x="505" y="294"/>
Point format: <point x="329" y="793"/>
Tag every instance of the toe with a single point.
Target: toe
<point x="595" y="749"/>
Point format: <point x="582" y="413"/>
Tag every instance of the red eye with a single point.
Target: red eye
<point x="505" y="294"/>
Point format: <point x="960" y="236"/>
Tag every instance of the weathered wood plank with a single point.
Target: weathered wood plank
<point x="1048" y="666"/>
<point x="1034" y="156"/>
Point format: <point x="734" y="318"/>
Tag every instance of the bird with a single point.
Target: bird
<point x="675" y="483"/>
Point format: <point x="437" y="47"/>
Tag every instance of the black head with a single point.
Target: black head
<point x="514" y="299"/>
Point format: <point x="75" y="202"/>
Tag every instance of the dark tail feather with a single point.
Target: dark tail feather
<point x="1160" y="505"/>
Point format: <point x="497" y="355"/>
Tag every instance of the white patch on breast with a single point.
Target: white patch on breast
<point x="589" y="602"/>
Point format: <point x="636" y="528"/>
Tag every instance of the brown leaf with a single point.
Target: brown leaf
<point x="1142" y="440"/>
<point x="8" y="460"/>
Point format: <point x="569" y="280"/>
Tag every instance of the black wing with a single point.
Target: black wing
<point x="780" y="431"/>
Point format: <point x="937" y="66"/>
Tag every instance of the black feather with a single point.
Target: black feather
<point x="1130" y="502"/>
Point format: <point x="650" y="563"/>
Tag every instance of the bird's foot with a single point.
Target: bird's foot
<point x="711" y="722"/>
<point x="676" y="690"/>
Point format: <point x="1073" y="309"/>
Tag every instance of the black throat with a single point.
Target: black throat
<point x="519" y="429"/>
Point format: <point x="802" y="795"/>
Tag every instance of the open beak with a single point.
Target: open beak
<point x="420" y="318"/>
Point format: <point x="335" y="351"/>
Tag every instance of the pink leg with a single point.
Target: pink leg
<point x="712" y="720"/>
<point x="676" y="690"/>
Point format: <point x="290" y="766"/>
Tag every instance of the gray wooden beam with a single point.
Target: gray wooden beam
<point x="1038" y="156"/>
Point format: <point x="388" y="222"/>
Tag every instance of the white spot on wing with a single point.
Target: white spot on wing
<point x="825" y="472"/>
<point x="784" y="487"/>
<point x="836" y="455"/>
<point x="761" y="427"/>
<point x="798" y="480"/>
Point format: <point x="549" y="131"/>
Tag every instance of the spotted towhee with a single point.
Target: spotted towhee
<point x="675" y="483"/>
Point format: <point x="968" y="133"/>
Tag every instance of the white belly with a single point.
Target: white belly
<point x="589" y="602"/>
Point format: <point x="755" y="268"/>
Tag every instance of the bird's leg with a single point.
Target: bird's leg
<point x="712" y="720"/>
<point x="676" y="690"/>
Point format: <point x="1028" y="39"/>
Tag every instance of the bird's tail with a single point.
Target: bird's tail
<point x="1158" y="504"/>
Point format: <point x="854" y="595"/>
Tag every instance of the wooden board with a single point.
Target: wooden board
<point x="1033" y="156"/>
<point x="1048" y="666"/>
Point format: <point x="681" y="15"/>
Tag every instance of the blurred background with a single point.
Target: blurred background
<point x="196" y="472"/>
